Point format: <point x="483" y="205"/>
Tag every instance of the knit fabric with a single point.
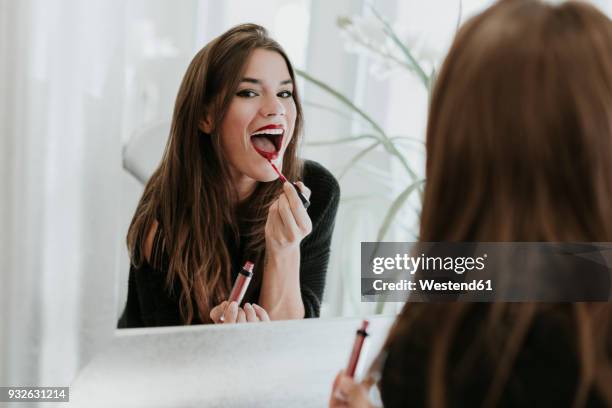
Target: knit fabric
<point x="151" y="303"/>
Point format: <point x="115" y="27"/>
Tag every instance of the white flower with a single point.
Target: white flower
<point x="366" y="36"/>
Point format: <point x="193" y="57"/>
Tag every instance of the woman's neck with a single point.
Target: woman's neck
<point x="244" y="184"/>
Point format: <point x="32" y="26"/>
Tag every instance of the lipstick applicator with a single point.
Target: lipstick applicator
<point x="284" y="179"/>
<point x="357" y="345"/>
<point x="240" y="285"/>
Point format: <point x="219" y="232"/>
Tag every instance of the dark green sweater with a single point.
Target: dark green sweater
<point x="149" y="303"/>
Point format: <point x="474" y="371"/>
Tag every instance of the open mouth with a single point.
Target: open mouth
<point x="268" y="140"/>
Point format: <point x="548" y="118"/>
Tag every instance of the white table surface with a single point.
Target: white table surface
<point x="277" y="364"/>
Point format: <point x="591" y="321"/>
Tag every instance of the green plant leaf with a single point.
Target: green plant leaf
<point x="340" y="141"/>
<point x="341" y="113"/>
<point x="459" y="16"/>
<point x="395" y="207"/>
<point x="407" y="138"/>
<point x="421" y="194"/>
<point x="432" y="81"/>
<point x="379" y="175"/>
<point x="388" y="144"/>
<point x="378" y="50"/>
<point x="394" y="151"/>
<point x="338" y="95"/>
<point x="393" y="210"/>
<point x="391" y="33"/>
<point x="360" y="197"/>
<point x="358" y="157"/>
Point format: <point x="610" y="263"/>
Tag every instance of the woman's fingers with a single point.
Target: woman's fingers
<point x="241" y="316"/>
<point x="305" y="190"/>
<point x="230" y="315"/>
<point x="273" y="220"/>
<point x="217" y="311"/>
<point x="249" y="311"/>
<point x="347" y="393"/>
<point x="358" y="396"/>
<point x="261" y="313"/>
<point x="337" y="398"/>
<point x="292" y="231"/>
<point x="288" y="221"/>
<point x="227" y="312"/>
<point x="300" y="215"/>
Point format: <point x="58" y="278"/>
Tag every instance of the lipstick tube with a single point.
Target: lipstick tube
<point x="357" y="346"/>
<point x="303" y="199"/>
<point x="282" y="178"/>
<point x="240" y="286"/>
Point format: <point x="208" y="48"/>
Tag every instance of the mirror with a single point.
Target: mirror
<point x="341" y="53"/>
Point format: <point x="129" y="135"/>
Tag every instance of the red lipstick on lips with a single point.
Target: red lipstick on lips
<point x="274" y="142"/>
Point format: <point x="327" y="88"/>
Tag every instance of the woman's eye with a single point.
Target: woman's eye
<point x="285" y="94"/>
<point x="246" y="93"/>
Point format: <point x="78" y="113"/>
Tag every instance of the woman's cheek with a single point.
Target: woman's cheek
<point x="292" y="109"/>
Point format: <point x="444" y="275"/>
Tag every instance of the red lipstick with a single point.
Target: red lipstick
<point x="269" y="127"/>
<point x="357" y="346"/>
<point x="274" y="138"/>
<point x="240" y="285"/>
<point x="280" y="175"/>
<point x="284" y="180"/>
<point x="267" y="155"/>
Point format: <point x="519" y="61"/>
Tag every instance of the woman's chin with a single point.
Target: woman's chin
<point x="269" y="177"/>
<point x="264" y="175"/>
<point x="261" y="170"/>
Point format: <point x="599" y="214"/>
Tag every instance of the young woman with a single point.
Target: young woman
<point x="519" y="148"/>
<point x="215" y="201"/>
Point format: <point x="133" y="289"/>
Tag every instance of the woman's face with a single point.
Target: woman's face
<point x="260" y="119"/>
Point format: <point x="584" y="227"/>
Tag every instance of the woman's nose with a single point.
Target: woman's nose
<point x="272" y="106"/>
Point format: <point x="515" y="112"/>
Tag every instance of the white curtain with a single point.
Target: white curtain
<point x="62" y="83"/>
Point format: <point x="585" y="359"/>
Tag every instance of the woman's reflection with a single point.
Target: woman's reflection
<point x="215" y="200"/>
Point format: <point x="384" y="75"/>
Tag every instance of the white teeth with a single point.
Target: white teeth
<point x="269" y="132"/>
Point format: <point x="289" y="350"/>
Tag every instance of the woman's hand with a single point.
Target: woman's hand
<point x="287" y="224"/>
<point x="288" y="221"/>
<point x="227" y="312"/>
<point x="348" y="393"/>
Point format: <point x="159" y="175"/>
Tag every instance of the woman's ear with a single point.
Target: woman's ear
<point x="205" y="125"/>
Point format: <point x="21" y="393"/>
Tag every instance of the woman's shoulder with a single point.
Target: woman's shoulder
<point x="318" y="179"/>
<point x="324" y="194"/>
<point x="154" y="252"/>
<point x="150" y="241"/>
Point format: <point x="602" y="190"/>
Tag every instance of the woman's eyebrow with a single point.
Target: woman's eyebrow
<point x="258" y="82"/>
<point x="251" y="80"/>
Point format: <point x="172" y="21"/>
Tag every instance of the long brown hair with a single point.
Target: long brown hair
<point x="519" y="148"/>
<point x="196" y="210"/>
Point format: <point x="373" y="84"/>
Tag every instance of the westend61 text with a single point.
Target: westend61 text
<point x="432" y="285"/>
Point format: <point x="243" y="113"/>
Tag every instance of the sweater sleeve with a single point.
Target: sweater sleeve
<point x="149" y="302"/>
<point x="315" y="248"/>
<point x="131" y="316"/>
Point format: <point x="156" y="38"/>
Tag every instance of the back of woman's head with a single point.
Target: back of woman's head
<point x="519" y="139"/>
<point x="519" y="148"/>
